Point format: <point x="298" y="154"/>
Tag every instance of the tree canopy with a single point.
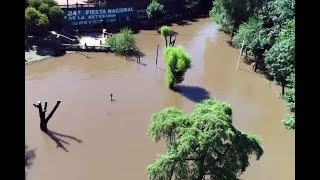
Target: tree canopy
<point x="289" y="97"/>
<point x="41" y="15"/>
<point x="154" y="11"/>
<point x="201" y="144"/>
<point x="177" y="63"/>
<point x="122" y="43"/>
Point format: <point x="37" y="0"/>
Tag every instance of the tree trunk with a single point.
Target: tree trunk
<point x="170" y="40"/>
<point x="256" y="63"/>
<point x="282" y="89"/>
<point x="165" y="37"/>
<point x="155" y="23"/>
<point x="201" y="172"/>
<point x="43" y="126"/>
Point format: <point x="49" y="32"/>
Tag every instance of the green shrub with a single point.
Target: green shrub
<point x="177" y="62"/>
<point x="122" y="43"/>
<point x="56" y="17"/>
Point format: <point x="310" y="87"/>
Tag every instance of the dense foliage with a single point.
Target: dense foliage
<point x="191" y="6"/>
<point x="201" y="144"/>
<point x="267" y="29"/>
<point x="41" y="15"/>
<point x="289" y="97"/>
<point x="122" y="43"/>
<point x="154" y="11"/>
<point x="177" y="63"/>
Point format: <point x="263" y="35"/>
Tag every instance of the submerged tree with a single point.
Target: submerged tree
<point x="123" y="43"/>
<point x="280" y="59"/>
<point x="289" y="97"/>
<point x="177" y="63"/>
<point x="154" y="11"/>
<point x="191" y="6"/>
<point x="166" y="32"/>
<point x="202" y="144"/>
<point x="253" y="37"/>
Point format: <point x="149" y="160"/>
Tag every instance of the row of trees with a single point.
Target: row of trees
<point x="266" y="28"/>
<point x="42" y="15"/>
<point x="201" y="145"/>
<point x="155" y="10"/>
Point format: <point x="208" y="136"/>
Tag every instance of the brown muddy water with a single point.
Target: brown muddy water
<point x="114" y="144"/>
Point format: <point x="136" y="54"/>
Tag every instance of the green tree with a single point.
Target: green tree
<point x="35" y="3"/>
<point x="154" y="11"/>
<point x="254" y="38"/>
<point x="56" y="17"/>
<point x="280" y="59"/>
<point x="177" y="63"/>
<point x="191" y="6"/>
<point x="231" y="13"/>
<point x="289" y="97"/>
<point x="50" y="2"/>
<point x="123" y="43"/>
<point x="36" y="23"/>
<point x="201" y="144"/>
<point x="165" y="31"/>
<point x="44" y="9"/>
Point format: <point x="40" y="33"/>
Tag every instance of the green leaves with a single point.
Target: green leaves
<point x="165" y="30"/>
<point x="123" y="42"/>
<point x="177" y="63"/>
<point x="202" y="143"/>
<point x="154" y="9"/>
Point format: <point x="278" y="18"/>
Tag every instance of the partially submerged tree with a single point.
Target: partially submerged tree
<point x="280" y="59"/>
<point x="200" y="145"/>
<point x="154" y="11"/>
<point x="191" y="6"/>
<point x="42" y="114"/>
<point x="124" y="43"/>
<point x="253" y="37"/>
<point x="166" y="32"/>
<point x="177" y="63"/>
<point x="289" y="97"/>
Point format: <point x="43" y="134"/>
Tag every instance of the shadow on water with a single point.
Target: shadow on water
<point x="54" y="136"/>
<point x="29" y="156"/>
<point x="193" y="93"/>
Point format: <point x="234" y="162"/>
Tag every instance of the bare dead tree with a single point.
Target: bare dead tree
<point x="42" y="114"/>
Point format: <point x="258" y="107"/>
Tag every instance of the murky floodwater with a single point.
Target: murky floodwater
<point x="115" y="144"/>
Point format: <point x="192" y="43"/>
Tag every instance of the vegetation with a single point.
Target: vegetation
<point x="36" y="22"/>
<point x="191" y="6"/>
<point x="165" y="31"/>
<point x="201" y="144"/>
<point x="56" y="16"/>
<point x="123" y="43"/>
<point x="41" y="15"/>
<point x="267" y="29"/>
<point x="177" y="63"/>
<point x="154" y="11"/>
<point x="289" y="97"/>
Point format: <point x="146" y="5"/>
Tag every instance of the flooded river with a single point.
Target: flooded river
<point x="114" y="138"/>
